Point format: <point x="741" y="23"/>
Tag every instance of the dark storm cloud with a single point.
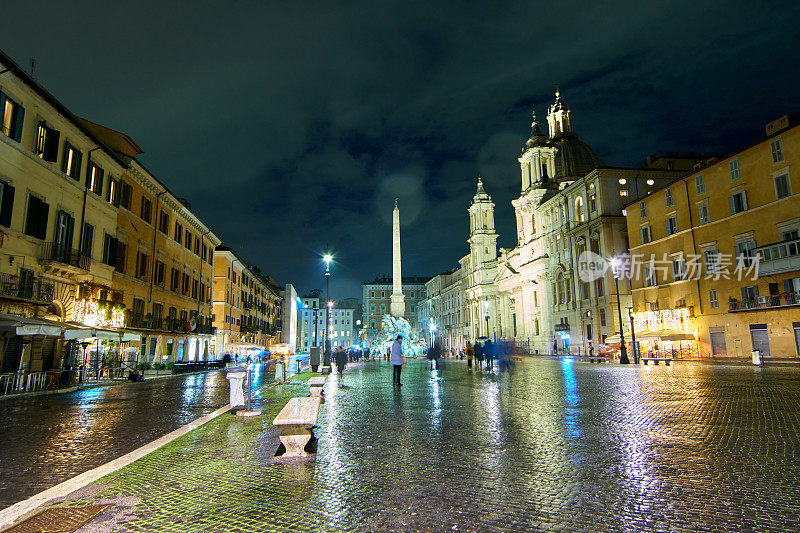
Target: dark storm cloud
<point x="292" y="127"/>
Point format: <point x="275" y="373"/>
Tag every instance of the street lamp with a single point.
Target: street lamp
<point x="486" y="316"/>
<point x="616" y="263"/>
<point x="633" y="337"/>
<point x="327" y="258"/>
<point x="432" y="329"/>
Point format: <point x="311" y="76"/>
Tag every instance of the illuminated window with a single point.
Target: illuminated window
<point x="113" y="192"/>
<point x="71" y="161"/>
<point x="47" y="142"/>
<point x="95" y="180"/>
<point x="651" y="182"/>
<point x="623" y="192"/>
<point x="13" y="115"/>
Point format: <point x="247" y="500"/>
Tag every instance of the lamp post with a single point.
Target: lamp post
<point x="634" y="348"/>
<point x="432" y="329"/>
<point x="486" y="316"/>
<point x="326" y="360"/>
<point x="623" y="351"/>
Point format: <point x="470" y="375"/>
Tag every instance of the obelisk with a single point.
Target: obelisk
<point x="397" y="306"/>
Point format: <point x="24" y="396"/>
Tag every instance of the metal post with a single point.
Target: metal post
<point x="326" y="358"/>
<point x="623" y="351"/>
<point x="249" y="386"/>
<point x="634" y="348"/>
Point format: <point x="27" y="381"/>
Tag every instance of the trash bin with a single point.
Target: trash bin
<point x="313" y="358"/>
<point x="756" y="354"/>
<point x="236" y="376"/>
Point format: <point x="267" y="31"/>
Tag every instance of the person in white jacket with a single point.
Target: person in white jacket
<point x="397" y="360"/>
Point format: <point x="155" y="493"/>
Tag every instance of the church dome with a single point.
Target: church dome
<point x="574" y="158"/>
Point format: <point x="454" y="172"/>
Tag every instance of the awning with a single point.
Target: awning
<point x="105" y="334"/>
<point x="668" y="335"/>
<point x="30" y="326"/>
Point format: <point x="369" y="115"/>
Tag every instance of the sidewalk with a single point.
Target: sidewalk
<point x="215" y="477"/>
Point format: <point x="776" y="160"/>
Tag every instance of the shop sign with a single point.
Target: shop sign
<point x="677" y="319"/>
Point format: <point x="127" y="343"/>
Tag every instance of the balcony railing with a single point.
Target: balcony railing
<point x="174" y="325"/>
<point x="779" y="257"/>
<point x="764" y="302"/>
<point x="58" y="253"/>
<point x="26" y="289"/>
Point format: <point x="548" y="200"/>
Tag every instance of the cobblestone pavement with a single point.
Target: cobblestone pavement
<point x="45" y="440"/>
<point x="557" y="446"/>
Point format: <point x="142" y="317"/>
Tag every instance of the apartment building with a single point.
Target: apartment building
<point x="340" y="329"/>
<point x="376" y="298"/>
<point x="719" y="253"/>
<point x="247" y="307"/>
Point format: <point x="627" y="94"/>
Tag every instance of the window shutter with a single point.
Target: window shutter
<point x="744" y="200"/>
<point x="667" y="225"/>
<point x="64" y="154"/>
<point x="89" y="173"/>
<point x="44" y="210"/>
<point x="70" y="232"/>
<point x="731" y="204"/>
<point x="78" y="157"/>
<point x="51" y="145"/>
<point x="787" y="285"/>
<point x="18" y="120"/>
<point x="7" y="205"/>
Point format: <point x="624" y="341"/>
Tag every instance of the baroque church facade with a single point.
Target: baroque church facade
<point x="570" y="202"/>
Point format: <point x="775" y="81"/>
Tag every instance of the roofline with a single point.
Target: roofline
<point x="225" y="248"/>
<point x="715" y="162"/>
<point x="61" y="108"/>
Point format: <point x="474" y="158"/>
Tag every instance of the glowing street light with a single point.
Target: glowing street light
<point x="326" y="359"/>
<point x="486" y="315"/>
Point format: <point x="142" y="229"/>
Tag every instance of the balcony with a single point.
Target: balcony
<point x="763" y="302"/>
<point x="27" y="290"/>
<point x="779" y="257"/>
<point x="55" y="257"/>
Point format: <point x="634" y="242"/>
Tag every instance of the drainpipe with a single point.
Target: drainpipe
<point x="155" y="255"/>
<point x="694" y="245"/>
<point x="85" y="197"/>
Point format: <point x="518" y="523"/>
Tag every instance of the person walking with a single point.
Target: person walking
<point x="340" y="357"/>
<point x="434" y="352"/>
<point x="397" y="360"/>
<point x="478" y="356"/>
<point x="490" y="353"/>
<point x="470" y="353"/>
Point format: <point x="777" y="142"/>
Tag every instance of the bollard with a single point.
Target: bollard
<point x="298" y="366"/>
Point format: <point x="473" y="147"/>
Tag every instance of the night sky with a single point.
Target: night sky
<point x="291" y="128"/>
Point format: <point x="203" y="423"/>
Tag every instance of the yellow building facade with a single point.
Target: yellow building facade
<point x="716" y="254"/>
<point x="247" y="306"/>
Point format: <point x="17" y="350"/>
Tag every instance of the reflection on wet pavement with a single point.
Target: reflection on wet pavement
<point x="45" y="440"/>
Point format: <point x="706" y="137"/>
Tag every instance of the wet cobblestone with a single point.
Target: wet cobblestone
<point x="45" y="440"/>
<point x="558" y="446"/>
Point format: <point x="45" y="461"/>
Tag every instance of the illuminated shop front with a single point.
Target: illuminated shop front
<point x="666" y="333"/>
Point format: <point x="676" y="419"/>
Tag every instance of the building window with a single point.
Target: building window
<point x="147" y="209"/>
<point x="644" y="234"/>
<point x="47" y="142"/>
<point x="669" y="197"/>
<point x="712" y="296"/>
<point x="175" y="280"/>
<point x="782" y="189"/>
<point x="138" y="306"/>
<point x="733" y="165"/>
<point x="602" y="317"/>
<point x="88" y="240"/>
<point x="738" y="202"/>
<point x="672" y="224"/>
<point x="13" y="117"/>
<point x="163" y="222"/>
<point x="6" y="203"/>
<point x="113" y="192"/>
<point x="592" y="203"/>
<point x="649" y="273"/>
<point x="700" y="184"/>
<point x="158" y="312"/>
<point x="71" y="161"/>
<point x="126" y="195"/>
<point x="777" y="151"/>
<point x="599" y="287"/>
<point x="678" y="269"/>
<point x="187" y="242"/>
<point x="643" y="209"/>
<point x="95" y="180"/>
<point x="110" y="250"/>
<point x="711" y="258"/>
<point x="160" y="273"/>
<point x="703" y="212"/>
<point x="36" y="221"/>
<point x="204" y="252"/>
<point x="179" y="237"/>
<point x="185" y="288"/>
<point x="141" y="265"/>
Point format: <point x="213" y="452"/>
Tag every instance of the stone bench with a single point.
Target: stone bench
<point x="593" y="359"/>
<point x="315" y="385"/>
<point x="296" y="419"/>
<point x="667" y="360"/>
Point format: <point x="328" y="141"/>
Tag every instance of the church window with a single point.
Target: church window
<point x="579" y="216"/>
<point x="544" y="172"/>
